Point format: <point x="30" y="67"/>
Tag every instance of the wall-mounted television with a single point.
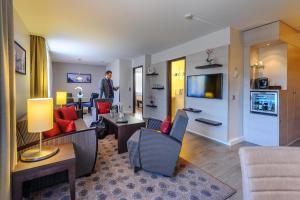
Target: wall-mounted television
<point x="205" y="86"/>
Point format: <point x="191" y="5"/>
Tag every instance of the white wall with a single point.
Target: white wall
<point x="275" y="62"/>
<point x="259" y="129"/>
<point x="235" y="91"/>
<point x="213" y="109"/>
<point x="212" y="40"/>
<point x="160" y="96"/>
<point x="122" y="77"/>
<point x="125" y="84"/>
<point x="60" y="71"/>
<point x="21" y="35"/>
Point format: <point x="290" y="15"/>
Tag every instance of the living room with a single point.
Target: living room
<point x="111" y="100"/>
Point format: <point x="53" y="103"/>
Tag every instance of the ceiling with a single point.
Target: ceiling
<point x="99" y="31"/>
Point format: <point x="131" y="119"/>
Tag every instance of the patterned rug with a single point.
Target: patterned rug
<point x="116" y="180"/>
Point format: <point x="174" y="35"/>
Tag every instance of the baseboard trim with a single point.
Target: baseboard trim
<point x="236" y="141"/>
<point x="230" y="143"/>
<point x="210" y="138"/>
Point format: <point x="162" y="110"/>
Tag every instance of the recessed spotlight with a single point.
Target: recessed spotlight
<point x="268" y="44"/>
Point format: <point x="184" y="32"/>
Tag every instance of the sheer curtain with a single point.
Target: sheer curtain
<point x="7" y="98"/>
<point x="38" y="67"/>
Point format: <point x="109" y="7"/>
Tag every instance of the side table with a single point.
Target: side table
<point x="64" y="160"/>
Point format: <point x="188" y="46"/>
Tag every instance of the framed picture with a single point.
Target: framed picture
<point x="20" y="58"/>
<point x="79" y="78"/>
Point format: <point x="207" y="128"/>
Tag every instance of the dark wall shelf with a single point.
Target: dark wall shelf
<point x="192" y="110"/>
<point x="158" y="88"/>
<point x="151" y="106"/>
<point x="209" y="122"/>
<point x="209" y="66"/>
<point x="152" y="74"/>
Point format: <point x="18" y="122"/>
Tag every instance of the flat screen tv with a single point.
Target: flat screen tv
<point x="205" y="86"/>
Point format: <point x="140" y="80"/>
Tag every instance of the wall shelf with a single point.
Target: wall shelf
<point x="158" y="88"/>
<point x="209" y="122"/>
<point x="192" y="110"/>
<point x="151" y="106"/>
<point x="209" y="66"/>
<point x="152" y="74"/>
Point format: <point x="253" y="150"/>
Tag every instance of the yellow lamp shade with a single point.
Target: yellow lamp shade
<point x="39" y="114"/>
<point x="61" y="98"/>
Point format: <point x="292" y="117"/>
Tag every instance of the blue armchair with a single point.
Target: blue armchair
<point x="155" y="152"/>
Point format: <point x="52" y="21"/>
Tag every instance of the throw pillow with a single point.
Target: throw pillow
<point x="103" y="107"/>
<point x="69" y="113"/>
<point x="165" y="127"/>
<point x="52" y="132"/>
<point x="66" y="126"/>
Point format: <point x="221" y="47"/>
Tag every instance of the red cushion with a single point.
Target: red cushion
<point x="52" y="132"/>
<point x="103" y="107"/>
<point x="69" y="113"/>
<point x="57" y="114"/>
<point x="66" y="126"/>
<point x="165" y="127"/>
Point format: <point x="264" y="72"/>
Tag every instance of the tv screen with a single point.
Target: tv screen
<point x="205" y="86"/>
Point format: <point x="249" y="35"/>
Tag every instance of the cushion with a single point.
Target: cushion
<point x="66" y="126"/>
<point x="69" y="113"/>
<point x="52" y="132"/>
<point x="57" y="114"/>
<point x="165" y="126"/>
<point x="103" y="107"/>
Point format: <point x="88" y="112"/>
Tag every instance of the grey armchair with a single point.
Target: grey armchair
<point x="155" y="152"/>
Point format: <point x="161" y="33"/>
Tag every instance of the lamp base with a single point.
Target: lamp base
<point x="35" y="154"/>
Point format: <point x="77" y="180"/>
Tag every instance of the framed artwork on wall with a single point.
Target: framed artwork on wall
<point x="79" y="78"/>
<point x="20" y="59"/>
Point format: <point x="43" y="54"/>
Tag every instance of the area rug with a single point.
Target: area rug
<point x="115" y="180"/>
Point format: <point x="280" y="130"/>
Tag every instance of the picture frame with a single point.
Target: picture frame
<point x="79" y="78"/>
<point x="20" y="58"/>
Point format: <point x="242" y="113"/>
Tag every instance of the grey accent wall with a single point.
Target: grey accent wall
<point x="21" y="36"/>
<point x="59" y="77"/>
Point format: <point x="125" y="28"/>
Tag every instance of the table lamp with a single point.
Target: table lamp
<point x="61" y="98"/>
<point x="40" y="118"/>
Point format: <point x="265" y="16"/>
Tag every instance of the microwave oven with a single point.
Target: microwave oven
<point x="264" y="102"/>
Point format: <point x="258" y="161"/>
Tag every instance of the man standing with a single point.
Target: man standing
<point x="107" y="87"/>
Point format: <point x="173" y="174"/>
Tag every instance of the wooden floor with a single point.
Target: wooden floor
<point x="217" y="159"/>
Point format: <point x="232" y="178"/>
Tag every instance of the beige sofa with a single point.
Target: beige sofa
<point x="270" y="173"/>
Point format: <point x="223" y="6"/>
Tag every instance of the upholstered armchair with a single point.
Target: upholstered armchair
<point x="90" y="104"/>
<point x="156" y="152"/>
<point x="95" y="111"/>
<point x="270" y="173"/>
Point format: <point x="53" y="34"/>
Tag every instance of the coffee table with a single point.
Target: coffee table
<point x="123" y="131"/>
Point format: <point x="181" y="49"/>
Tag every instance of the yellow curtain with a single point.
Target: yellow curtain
<point x="38" y="66"/>
<point x="8" y="152"/>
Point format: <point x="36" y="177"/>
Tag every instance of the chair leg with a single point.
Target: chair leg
<point x="136" y="169"/>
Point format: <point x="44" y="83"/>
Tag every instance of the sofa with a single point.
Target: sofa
<point x="156" y="152"/>
<point x="270" y="173"/>
<point x="85" y="145"/>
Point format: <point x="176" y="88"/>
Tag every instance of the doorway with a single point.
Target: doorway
<point x="138" y="92"/>
<point x="176" y="86"/>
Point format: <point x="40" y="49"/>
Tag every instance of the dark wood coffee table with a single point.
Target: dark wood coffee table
<point x="64" y="160"/>
<point x="123" y="131"/>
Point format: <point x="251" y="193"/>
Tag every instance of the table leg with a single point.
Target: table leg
<point x="71" y="174"/>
